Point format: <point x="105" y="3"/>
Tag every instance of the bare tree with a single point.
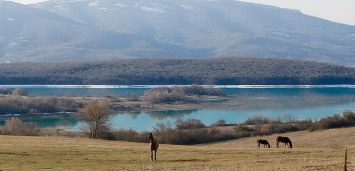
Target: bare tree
<point x="96" y="115"/>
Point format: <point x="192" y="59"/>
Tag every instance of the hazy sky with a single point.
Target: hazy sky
<point x="341" y="11"/>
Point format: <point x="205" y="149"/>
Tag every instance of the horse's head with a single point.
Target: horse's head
<point x="150" y="137"/>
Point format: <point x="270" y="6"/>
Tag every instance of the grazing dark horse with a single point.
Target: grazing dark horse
<point x="264" y="142"/>
<point x="285" y="140"/>
<point x="154" y="144"/>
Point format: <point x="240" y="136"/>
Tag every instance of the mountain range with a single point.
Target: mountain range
<point x="81" y="30"/>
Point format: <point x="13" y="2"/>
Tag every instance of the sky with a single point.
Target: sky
<point x="340" y="11"/>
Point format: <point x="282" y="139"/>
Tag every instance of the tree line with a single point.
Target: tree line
<point x="163" y="71"/>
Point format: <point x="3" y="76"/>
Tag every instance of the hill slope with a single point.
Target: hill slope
<point x="59" y="153"/>
<point x="109" y="29"/>
<point x="160" y="71"/>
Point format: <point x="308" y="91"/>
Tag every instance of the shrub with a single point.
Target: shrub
<point x="215" y="92"/>
<point x="214" y="131"/>
<point x="125" y="135"/>
<point x="5" y="91"/>
<point x="220" y="122"/>
<point x="194" y="90"/>
<point x="349" y="117"/>
<point x="165" y="95"/>
<point x="258" y="120"/>
<point x="335" y="121"/>
<point x="19" y="92"/>
<point x="134" y="97"/>
<point x="189" y="124"/>
<point x="283" y="128"/>
<point x="16" y="91"/>
<point x="242" y="128"/>
<point x="178" y="93"/>
<point x="164" y="131"/>
<point x="16" y="127"/>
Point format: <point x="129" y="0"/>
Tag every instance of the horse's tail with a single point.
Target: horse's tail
<point x="290" y="143"/>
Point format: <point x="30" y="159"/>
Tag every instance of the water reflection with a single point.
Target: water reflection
<point x="160" y="115"/>
<point x="48" y="121"/>
<point x="257" y="99"/>
<point x="309" y="101"/>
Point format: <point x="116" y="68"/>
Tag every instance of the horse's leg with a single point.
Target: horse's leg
<point x="277" y="144"/>
<point x="151" y="155"/>
<point x="258" y="145"/>
<point x="155" y="155"/>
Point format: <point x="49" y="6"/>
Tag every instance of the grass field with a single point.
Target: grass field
<point x="320" y="150"/>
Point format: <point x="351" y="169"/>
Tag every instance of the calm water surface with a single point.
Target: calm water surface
<point x="296" y="102"/>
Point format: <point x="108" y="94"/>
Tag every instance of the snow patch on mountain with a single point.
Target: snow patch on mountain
<point x="347" y="37"/>
<point x="93" y="4"/>
<point x="152" y="9"/>
<point x="156" y="7"/>
<point x="284" y="35"/>
<point x="186" y="6"/>
<point x="60" y="7"/>
<point x="12" y="44"/>
<point x="2" y="37"/>
<point x="120" y="5"/>
<point x="350" y="36"/>
<point x="10" y="19"/>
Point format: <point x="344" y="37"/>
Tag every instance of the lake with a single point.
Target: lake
<point x="284" y="102"/>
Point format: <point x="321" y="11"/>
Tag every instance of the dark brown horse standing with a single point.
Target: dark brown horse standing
<point x="154" y="144"/>
<point x="285" y="140"/>
<point x="264" y="142"/>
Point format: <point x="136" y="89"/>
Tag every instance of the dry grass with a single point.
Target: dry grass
<point x="321" y="150"/>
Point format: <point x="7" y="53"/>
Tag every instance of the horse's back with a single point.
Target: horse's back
<point x="282" y="139"/>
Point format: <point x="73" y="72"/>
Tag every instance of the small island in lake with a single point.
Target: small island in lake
<point x="18" y="101"/>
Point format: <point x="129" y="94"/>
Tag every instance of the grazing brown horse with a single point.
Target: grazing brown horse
<point x="154" y="144"/>
<point x="285" y="140"/>
<point x="264" y="142"/>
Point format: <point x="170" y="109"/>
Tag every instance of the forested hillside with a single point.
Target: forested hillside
<point x="159" y="71"/>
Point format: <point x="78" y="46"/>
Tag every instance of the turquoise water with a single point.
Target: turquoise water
<point x="295" y="102"/>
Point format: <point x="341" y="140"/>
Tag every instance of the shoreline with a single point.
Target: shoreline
<point x="204" y="102"/>
<point x="123" y="104"/>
